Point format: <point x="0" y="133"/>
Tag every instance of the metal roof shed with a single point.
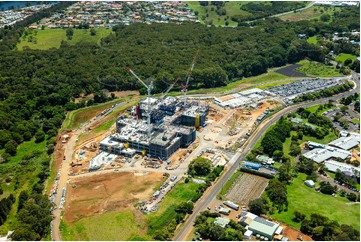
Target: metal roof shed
<point x="263" y="227"/>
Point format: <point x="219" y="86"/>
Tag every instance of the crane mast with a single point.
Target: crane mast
<point x="185" y="87"/>
<point x="171" y="86"/>
<point x="149" y="89"/>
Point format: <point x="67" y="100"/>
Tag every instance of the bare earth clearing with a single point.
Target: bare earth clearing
<point x="246" y="188"/>
<point x="99" y="194"/>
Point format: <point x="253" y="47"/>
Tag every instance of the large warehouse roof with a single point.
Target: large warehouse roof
<point x="261" y="225"/>
<point x="321" y="154"/>
<point x="345" y="143"/>
<point x="332" y="165"/>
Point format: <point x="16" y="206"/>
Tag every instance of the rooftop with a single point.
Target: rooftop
<point x="333" y="165"/>
<point x="267" y="227"/>
<point x="223" y="222"/>
<point x="321" y="154"/>
<point x="345" y="143"/>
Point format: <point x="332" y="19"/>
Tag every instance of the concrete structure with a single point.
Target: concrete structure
<point x="263" y="227"/>
<point x="345" y="143"/>
<point x="100" y="160"/>
<point x="333" y="166"/>
<point x="309" y="183"/>
<point x="223" y="222"/>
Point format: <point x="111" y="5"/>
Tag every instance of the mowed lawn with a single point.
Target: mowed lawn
<point x="343" y="56"/>
<point x="114" y="226"/>
<point x="51" y="38"/>
<point x="307" y="200"/>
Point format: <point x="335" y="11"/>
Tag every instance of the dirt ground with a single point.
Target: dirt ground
<point x="110" y="192"/>
<point x="117" y="94"/>
<point x="246" y="188"/>
<point x="355" y="155"/>
<point x="292" y="234"/>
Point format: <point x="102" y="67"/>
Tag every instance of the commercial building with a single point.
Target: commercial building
<point x="263" y="227"/>
<point x="241" y="99"/>
<point x="345" y="143"/>
<point x="333" y="166"/>
<point x="321" y="153"/>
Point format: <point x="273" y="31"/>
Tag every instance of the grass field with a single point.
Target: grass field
<point x="119" y="226"/>
<point x="307" y="200"/>
<point x="312" y="40"/>
<point x="182" y="192"/>
<point x="274" y="84"/>
<point x="317" y="69"/>
<point x="314" y="12"/>
<point x="313" y="109"/>
<point x="228" y="184"/>
<point x="232" y="8"/>
<point x="51" y="38"/>
<point x="266" y="78"/>
<point x="25" y="174"/>
<point x="77" y="117"/>
<point x="343" y="56"/>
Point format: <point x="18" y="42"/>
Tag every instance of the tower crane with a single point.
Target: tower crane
<point x="185" y="86"/>
<point x="170" y="87"/>
<point x="149" y="89"/>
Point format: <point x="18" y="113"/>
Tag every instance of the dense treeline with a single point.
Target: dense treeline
<point x="9" y="35"/>
<point x="5" y="207"/>
<point x="322" y="228"/>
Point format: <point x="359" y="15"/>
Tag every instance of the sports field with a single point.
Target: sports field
<point x="51" y="38"/>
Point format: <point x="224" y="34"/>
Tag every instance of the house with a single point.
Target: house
<point x="309" y="183"/>
<point x="296" y="120"/>
<point x="223" y="222"/>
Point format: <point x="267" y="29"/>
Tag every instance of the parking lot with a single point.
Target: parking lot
<point x="303" y="86"/>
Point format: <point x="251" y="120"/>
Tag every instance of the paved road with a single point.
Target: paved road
<point x="63" y="178"/>
<point x="232" y="166"/>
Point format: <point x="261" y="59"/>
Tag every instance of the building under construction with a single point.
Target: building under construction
<point x="168" y="132"/>
<point x="158" y="126"/>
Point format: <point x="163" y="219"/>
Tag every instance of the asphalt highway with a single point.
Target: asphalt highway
<point x="212" y="192"/>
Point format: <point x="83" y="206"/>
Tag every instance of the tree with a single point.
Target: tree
<point x="23" y="197"/>
<point x="352" y="197"/>
<point x="285" y="172"/>
<point x="39" y="136"/>
<point x="325" y="17"/>
<point x="69" y="33"/>
<point x="200" y="167"/>
<point x="327" y="188"/>
<point x="258" y="206"/>
<point x="93" y="32"/>
<point x="348" y="62"/>
<point x="299" y="217"/>
<point x="10" y="147"/>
